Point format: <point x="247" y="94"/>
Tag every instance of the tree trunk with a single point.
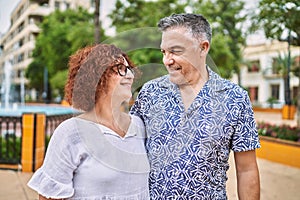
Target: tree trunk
<point x="97" y="22"/>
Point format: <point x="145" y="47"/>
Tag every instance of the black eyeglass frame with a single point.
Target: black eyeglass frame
<point x="120" y="70"/>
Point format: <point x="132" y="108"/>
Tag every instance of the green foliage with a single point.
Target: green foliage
<point x="135" y="22"/>
<point x="277" y="16"/>
<point x="280" y="64"/>
<point x="35" y="72"/>
<point x="224" y="15"/>
<point x="284" y="132"/>
<point x="129" y="14"/>
<point x="226" y="19"/>
<point x="62" y="33"/>
<point x="222" y="55"/>
<point x="271" y="101"/>
<point x="11" y="147"/>
<point x="58" y="81"/>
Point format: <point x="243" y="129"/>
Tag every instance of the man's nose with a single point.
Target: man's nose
<point x="168" y="59"/>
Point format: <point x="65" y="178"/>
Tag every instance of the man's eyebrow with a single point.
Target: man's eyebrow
<point x="173" y="47"/>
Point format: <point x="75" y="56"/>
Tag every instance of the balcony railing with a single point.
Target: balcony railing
<point x="270" y="73"/>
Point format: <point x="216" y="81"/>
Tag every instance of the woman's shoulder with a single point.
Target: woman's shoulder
<point x="136" y="120"/>
<point x="68" y="130"/>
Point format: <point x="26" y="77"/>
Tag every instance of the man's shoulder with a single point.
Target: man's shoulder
<point x="160" y="82"/>
<point x="221" y="84"/>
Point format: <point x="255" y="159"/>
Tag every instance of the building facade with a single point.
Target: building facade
<point x="18" y="42"/>
<point x="261" y="76"/>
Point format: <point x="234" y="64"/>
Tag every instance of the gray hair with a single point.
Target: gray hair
<point x="196" y="24"/>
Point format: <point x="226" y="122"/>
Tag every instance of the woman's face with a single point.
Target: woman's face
<point x="120" y="83"/>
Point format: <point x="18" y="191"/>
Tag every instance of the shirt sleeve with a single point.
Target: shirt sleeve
<point x="54" y="178"/>
<point x="245" y="137"/>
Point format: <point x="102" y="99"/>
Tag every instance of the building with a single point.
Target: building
<point x="19" y="41"/>
<point x="260" y="76"/>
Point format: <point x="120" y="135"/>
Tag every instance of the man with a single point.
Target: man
<point x="194" y="118"/>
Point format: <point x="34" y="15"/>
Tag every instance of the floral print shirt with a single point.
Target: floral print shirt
<point x="189" y="149"/>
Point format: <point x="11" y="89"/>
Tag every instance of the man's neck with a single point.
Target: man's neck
<point x="190" y="91"/>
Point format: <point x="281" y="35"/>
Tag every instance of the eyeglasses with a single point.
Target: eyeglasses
<point x="123" y="69"/>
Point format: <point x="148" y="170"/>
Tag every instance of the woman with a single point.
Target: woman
<point x="99" y="154"/>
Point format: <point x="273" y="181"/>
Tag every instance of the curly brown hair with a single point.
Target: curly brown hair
<point x="89" y="71"/>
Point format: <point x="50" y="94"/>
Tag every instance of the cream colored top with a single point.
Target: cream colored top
<point x="85" y="160"/>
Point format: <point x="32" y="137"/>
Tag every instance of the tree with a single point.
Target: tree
<point x="228" y="39"/>
<point x="278" y="18"/>
<point x="137" y="33"/>
<point x="225" y="51"/>
<point x="35" y="74"/>
<point x="62" y="33"/>
<point x="280" y="66"/>
<point x="97" y="21"/>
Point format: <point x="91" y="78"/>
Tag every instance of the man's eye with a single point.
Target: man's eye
<point x="176" y="51"/>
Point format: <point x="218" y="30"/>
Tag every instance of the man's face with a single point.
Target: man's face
<point x="181" y="55"/>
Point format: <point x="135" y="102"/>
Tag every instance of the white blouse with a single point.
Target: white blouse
<point x="85" y="160"/>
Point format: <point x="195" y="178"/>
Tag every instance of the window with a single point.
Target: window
<point x="20" y="57"/>
<point x="19" y="72"/>
<point x="254" y="66"/>
<point x="56" y="5"/>
<point x="92" y="3"/>
<point x="253" y="93"/>
<point x="21" y="27"/>
<point x="275" y="91"/>
<point x="21" y="42"/>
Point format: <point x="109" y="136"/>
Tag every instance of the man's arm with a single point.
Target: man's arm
<point x="248" y="182"/>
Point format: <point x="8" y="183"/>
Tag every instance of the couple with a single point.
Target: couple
<point x="187" y="121"/>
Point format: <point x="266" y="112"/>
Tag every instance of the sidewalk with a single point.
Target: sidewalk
<point x="278" y="182"/>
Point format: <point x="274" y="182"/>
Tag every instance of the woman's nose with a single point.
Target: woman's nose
<point x="129" y="74"/>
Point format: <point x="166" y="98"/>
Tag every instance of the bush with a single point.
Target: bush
<point x="284" y="132"/>
<point x="10" y="148"/>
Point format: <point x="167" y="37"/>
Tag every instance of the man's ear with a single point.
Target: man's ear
<point x="204" y="45"/>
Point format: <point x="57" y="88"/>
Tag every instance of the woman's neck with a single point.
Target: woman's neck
<point x="111" y="116"/>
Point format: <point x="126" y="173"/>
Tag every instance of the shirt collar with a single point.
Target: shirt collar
<point x="215" y="83"/>
<point x="130" y="132"/>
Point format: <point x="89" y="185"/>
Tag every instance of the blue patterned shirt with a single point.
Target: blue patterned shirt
<point x="189" y="149"/>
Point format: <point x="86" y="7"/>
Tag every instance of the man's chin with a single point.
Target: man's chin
<point x="177" y="80"/>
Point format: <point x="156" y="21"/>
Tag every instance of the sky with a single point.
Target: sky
<point x="7" y="6"/>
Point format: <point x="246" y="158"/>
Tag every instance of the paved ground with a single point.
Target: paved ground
<point x="278" y="182"/>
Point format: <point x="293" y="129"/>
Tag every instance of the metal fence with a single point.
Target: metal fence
<point x="10" y="140"/>
<point x="11" y="136"/>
